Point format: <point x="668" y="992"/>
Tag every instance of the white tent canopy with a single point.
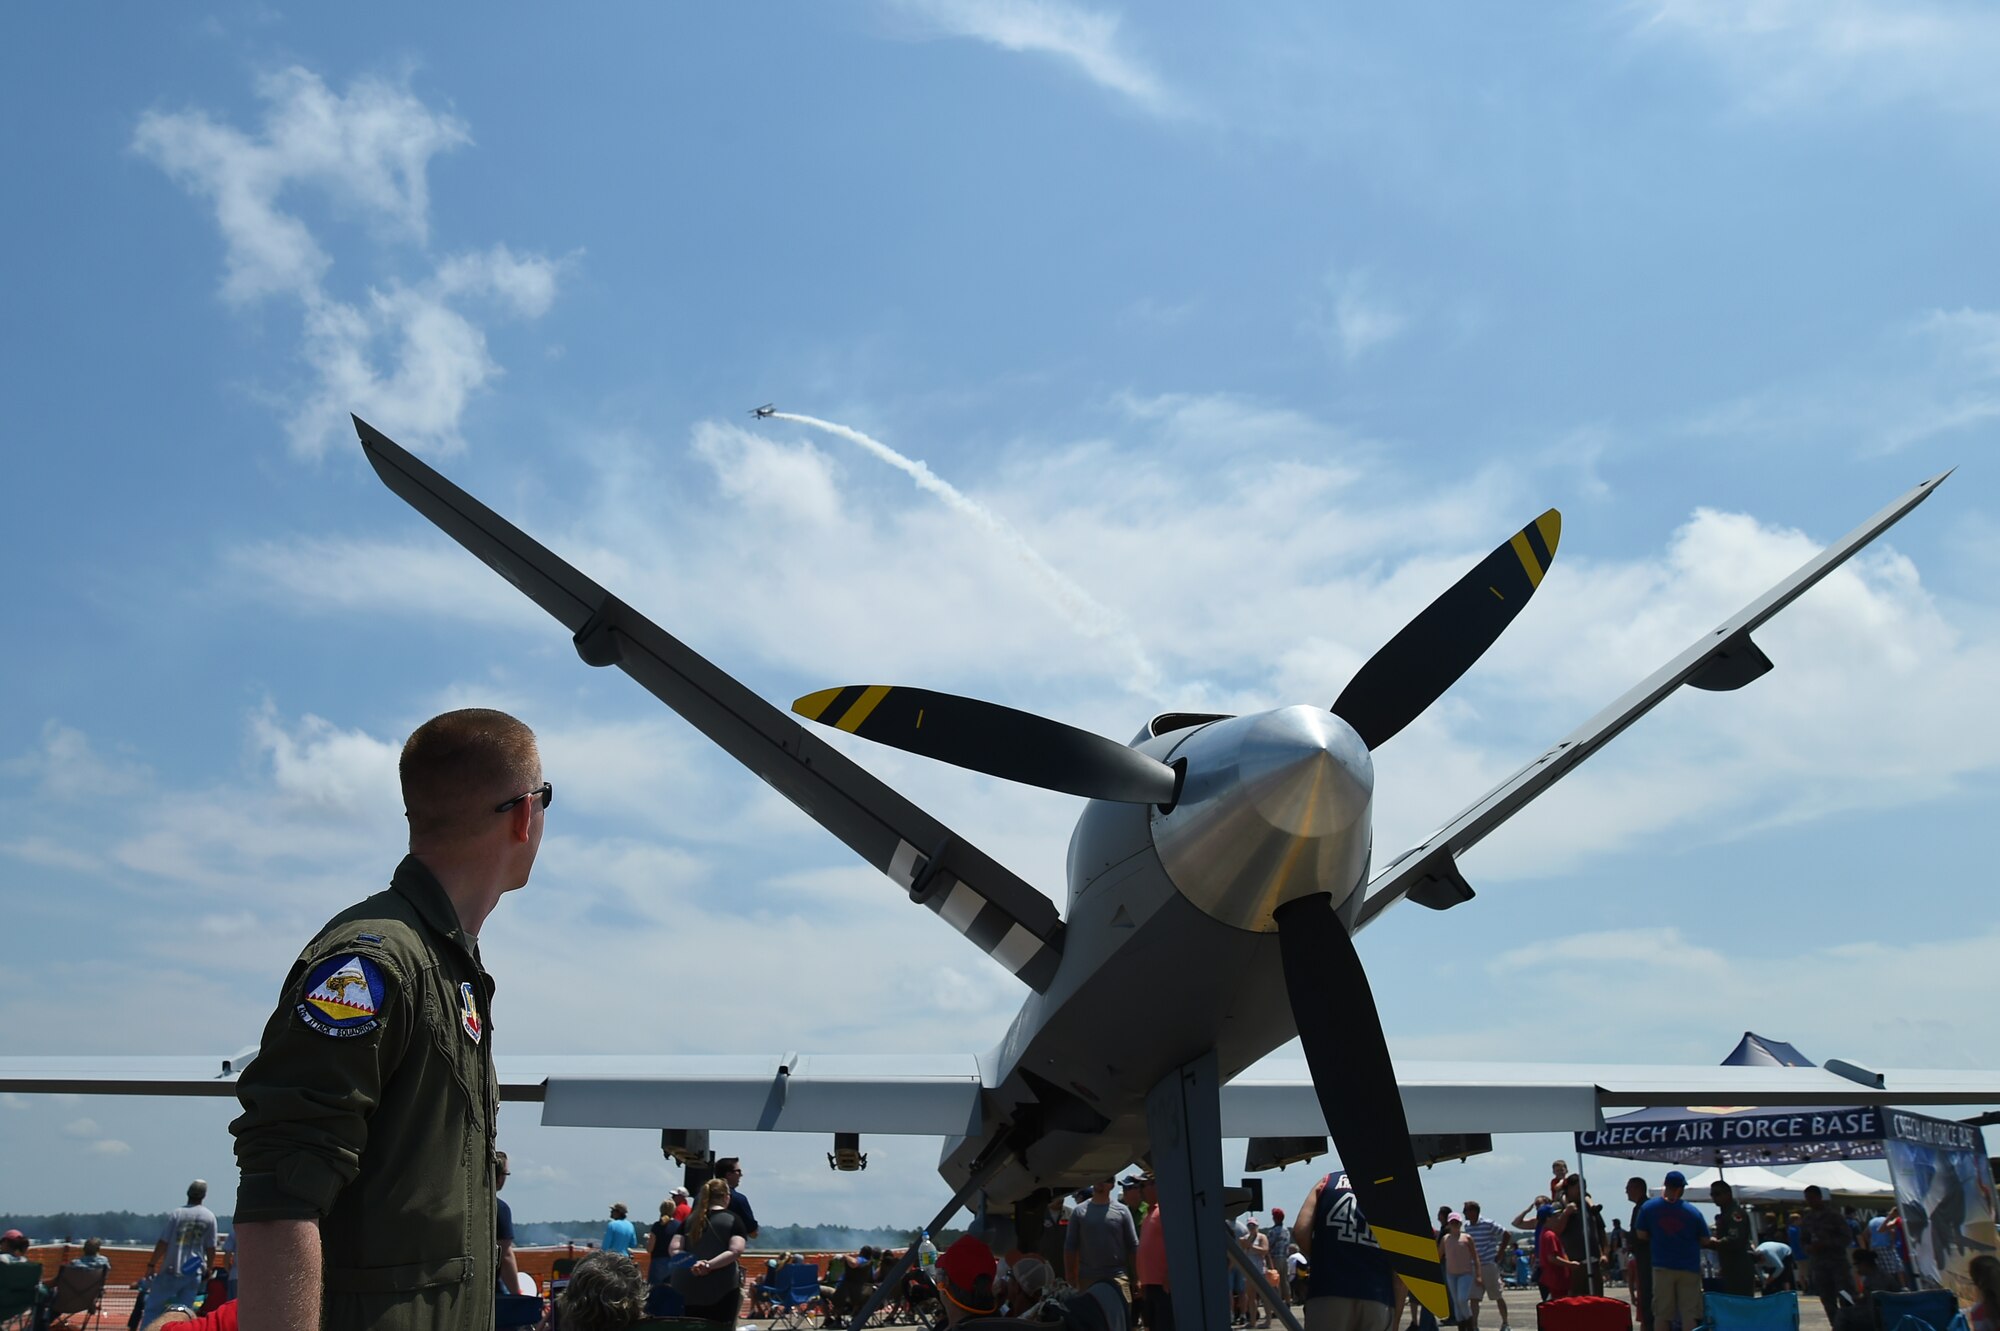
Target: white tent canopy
<point x="1754" y="1183"/>
<point x="1747" y="1181"/>
<point x="1832" y="1176"/>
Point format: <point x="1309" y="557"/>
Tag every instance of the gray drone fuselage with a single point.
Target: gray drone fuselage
<point x="1169" y="948"/>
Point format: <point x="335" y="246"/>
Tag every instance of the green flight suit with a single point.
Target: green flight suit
<point x="1732" y="1237"/>
<point x="371" y="1107"/>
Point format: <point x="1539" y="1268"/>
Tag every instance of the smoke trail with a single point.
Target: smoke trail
<point x="1076" y="605"/>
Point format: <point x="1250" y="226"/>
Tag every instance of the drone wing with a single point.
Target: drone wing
<point x="1011" y="921"/>
<point x="1275" y="1098"/>
<point x="932" y="1095"/>
<point x="1723" y="659"/>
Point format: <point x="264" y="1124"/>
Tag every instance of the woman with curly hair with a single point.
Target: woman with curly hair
<point x="713" y="1286"/>
<point x="605" y="1293"/>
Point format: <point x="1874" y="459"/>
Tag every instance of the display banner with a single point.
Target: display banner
<point x="1729" y="1136"/>
<point x="1944" y="1189"/>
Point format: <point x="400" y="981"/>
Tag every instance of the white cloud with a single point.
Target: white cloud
<point x="1715" y="981"/>
<point x="1356" y="317"/>
<point x="409" y="574"/>
<point x="110" y="1146"/>
<point x="1787" y="53"/>
<point x="1087" y="39"/>
<point x="50" y="853"/>
<point x="321" y="764"/>
<point x="68" y="767"/>
<point x="81" y="1127"/>
<point x="406" y="352"/>
<point x="791" y="482"/>
<point x="368" y="149"/>
<point x="1931" y="377"/>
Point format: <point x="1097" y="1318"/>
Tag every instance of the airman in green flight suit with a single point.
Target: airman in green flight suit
<point x="369" y="1112"/>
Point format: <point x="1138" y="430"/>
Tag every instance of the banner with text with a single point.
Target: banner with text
<point x="1739" y="1136"/>
<point x="1944" y="1189"/>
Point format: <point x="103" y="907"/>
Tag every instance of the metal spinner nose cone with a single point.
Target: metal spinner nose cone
<point x="1273" y="807"/>
<point x="1306" y="771"/>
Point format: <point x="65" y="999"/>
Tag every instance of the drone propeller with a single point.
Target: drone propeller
<point x="996" y="740"/>
<point x="1428" y="655"/>
<point x="1356" y="1084"/>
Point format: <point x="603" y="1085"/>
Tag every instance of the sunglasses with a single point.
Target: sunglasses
<point x="546" y="793"/>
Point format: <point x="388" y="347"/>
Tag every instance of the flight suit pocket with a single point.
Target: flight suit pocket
<point x="399" y="1279"/>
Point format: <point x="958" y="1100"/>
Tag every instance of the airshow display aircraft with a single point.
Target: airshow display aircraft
<point x="765" y="412"/>
<point x="1231" y="852"/>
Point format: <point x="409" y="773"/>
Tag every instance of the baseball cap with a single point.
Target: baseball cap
<point x="965" y="1263"/>
<point x="1544" y="1211"/>
<point x="1456" y="1215"/>
<point x="1675" y="1179"/>
<point x="1277" y="1213"/>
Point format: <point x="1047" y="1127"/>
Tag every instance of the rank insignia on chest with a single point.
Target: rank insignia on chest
<point x="468" y="1011"/>
<point x="343" y="997"/>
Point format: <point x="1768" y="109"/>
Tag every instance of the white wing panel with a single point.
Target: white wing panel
<point x="888" y="1094"/>
<point x="1275" y="1098"/>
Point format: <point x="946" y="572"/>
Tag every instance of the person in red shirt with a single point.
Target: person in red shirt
<point x="1554" y="1268"/>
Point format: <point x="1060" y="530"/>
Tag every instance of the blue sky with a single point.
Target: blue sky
<point x="1259" y="326"/>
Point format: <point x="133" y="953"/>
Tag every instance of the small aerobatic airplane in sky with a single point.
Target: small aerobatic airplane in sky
<point x="1230" y="852"/>
<point x="768" y="409"/>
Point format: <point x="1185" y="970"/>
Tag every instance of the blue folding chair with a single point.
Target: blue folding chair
<point x="795" y="1295"/>
<point x="1916" y="1310"/>
<point x="517" y="1310"/>
<point x="664" y="1302"/>
<point x="1738" y="1312"/>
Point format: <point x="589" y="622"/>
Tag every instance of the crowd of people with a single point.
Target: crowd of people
<point x="1670" y="1256"/>
<point x="1100" y="1260"/>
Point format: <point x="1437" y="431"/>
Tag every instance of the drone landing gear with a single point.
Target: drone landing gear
<point x="981" y="1172"/>
<point x="1184" y="1122"/>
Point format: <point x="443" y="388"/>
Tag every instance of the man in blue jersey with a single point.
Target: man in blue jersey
<point x="1674" y="1232"/>
<point x="1350" y="1286"/>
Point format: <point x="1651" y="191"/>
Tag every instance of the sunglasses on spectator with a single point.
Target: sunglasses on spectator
<point x="546" y="793"/>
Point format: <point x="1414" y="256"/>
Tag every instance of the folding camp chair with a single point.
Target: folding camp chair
<point x="517" y="1310"/>
<point x="78" y="1289"/>
<point x="1737" y="1312"/>
<point x="1915" y="1310"/>
<point x="20" y="1290"/>
<point x="662" y="1301"/>
<point x="795" y="1293"/>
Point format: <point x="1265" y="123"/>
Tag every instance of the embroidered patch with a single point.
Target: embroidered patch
<point x="343" y="997"/>
<point x="468" y="1011"/>
<point x="367" y="938"/>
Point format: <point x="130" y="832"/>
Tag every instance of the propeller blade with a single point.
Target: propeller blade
<point x="1431" y="651"/>
<point x="996" y="740"/>
<point x="1356" y="1084"/>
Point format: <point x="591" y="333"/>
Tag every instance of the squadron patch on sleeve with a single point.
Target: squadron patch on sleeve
<point x="468" y="1011"/>
<point x="343" y="997"/>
